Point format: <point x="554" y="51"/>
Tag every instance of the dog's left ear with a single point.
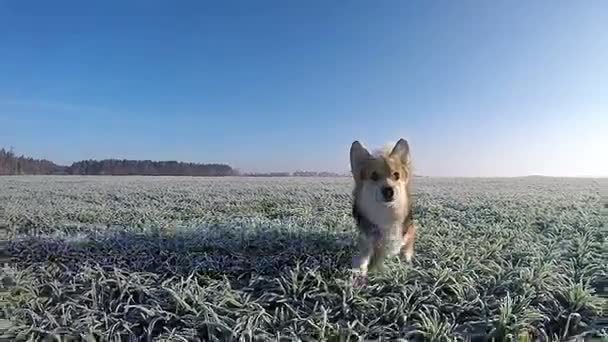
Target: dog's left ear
<point x="358" y="154"/>
<point x="402" y="151"/>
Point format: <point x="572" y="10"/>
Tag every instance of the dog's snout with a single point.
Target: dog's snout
<point x="388" y="193"/>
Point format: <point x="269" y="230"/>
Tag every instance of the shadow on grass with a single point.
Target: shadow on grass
<point x="213" y="283"/>
<point x="242" y="282"/>
<point x="213" y="251"/>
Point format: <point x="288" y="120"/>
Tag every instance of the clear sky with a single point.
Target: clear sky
<point x="479" y="88"/>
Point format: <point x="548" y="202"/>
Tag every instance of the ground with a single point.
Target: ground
<point x="181" y="259"/>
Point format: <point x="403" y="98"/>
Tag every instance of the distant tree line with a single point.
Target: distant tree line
<point x="148" y="168"/>
<point x="267" y="174"/>
<point x="11" y="164"/>
<point x="315" y="174"/>
<point x="294" y="174"/>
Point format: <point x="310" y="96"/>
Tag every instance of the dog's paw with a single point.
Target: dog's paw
<point x="358" y="279"/>
<point x="407" y="257"/>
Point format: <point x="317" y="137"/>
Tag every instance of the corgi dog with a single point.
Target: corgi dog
<point x="382" y="205"/>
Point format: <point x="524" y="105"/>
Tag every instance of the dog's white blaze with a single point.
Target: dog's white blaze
<point x="392" y="240"/>
<point x="387" y="217"/>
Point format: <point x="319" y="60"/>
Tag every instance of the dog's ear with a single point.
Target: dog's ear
<point x="358" y="154"/>
<point x="401" y="151"/>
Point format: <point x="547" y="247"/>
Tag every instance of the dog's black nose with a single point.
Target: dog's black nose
<point x="388" y="193"/>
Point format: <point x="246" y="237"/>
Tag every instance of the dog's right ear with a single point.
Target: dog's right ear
<point x="358" y="154"/>
<point x="402" y="151"/>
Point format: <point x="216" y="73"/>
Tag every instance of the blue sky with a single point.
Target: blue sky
<point x="479" y="88"/>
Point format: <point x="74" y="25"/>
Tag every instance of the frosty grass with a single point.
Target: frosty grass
<point x="186" y="259"/>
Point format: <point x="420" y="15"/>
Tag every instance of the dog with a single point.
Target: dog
<point x="382" y="205"/>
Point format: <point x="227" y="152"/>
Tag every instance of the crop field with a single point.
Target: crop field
<point x="268" y="259"/>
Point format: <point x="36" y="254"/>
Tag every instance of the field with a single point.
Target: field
<point x="186" y="259"/>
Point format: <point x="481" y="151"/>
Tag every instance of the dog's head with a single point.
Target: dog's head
<point x="381" y="179"/>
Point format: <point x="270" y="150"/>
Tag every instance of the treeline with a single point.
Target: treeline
<point x="148" y="168"/>
<point x="295" y="174"/>
<point x="316" y="174"/>
<point x="11" y="164"/>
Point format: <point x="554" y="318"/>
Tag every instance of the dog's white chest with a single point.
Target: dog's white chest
<point x="390" y="239"/>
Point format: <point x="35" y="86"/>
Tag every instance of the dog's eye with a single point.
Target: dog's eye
<point x="396" y="175"/>
<point x="374" y="176"/>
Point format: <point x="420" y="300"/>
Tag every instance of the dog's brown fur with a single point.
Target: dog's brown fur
<point x="389" y="168"/>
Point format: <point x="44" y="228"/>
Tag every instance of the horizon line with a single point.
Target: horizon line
<point x="245" y="173"/>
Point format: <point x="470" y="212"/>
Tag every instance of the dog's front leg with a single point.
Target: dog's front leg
<point x="366" y="250"/>
<point x="408" y="243"/>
